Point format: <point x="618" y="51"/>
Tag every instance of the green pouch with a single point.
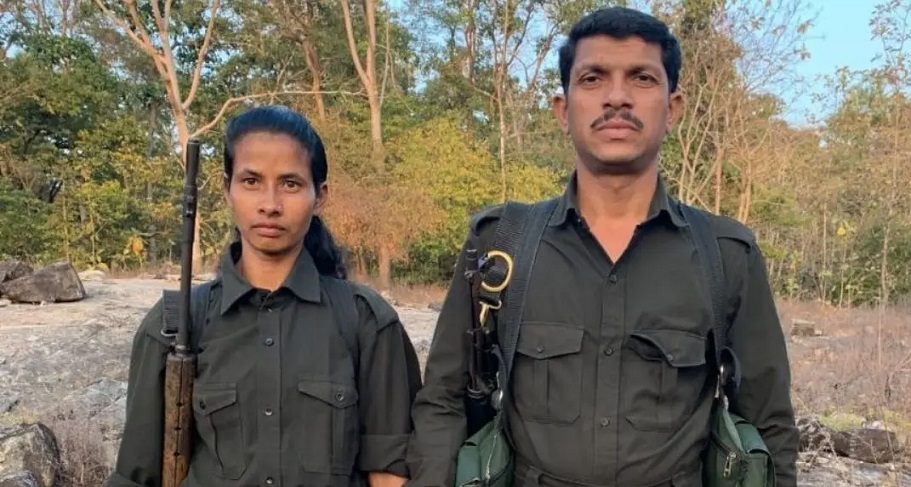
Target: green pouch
<point x="736" y="456"/>
<point x="486" y="459"/>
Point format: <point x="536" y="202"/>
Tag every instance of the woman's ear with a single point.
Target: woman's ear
<point x="322" y="197"/>
<point x="226" y="190"/>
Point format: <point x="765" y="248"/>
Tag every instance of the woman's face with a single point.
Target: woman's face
<point x="272" y="194"/>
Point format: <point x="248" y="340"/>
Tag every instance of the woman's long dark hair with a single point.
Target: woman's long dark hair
<point x="278" y="119"/>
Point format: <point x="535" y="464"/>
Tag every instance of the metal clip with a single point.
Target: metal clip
<point x="494" y="289"/>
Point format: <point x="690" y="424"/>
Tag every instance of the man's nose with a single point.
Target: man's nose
<point x="617" y="93"/>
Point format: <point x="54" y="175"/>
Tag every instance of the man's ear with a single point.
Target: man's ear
<point x="675" y="109"/>
<point x="559" y="108"/>
<point x="322" y="198"/>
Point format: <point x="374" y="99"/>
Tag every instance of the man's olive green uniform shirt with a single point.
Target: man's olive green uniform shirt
<point x="277" y="400"/>
<point x="613" y="376"/>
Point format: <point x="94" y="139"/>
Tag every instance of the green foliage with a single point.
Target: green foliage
<point x="81" y="103"/>
<point x="25" y="234"/>
<point x="461" y="177"/>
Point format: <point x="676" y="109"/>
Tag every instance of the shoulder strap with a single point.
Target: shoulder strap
<point x="518" y="234"/>
<point x="710" y="261"/>
<point x="199" y="306"/>
<point x="344" y="311"/>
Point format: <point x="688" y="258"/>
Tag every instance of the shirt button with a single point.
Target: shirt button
<point x="540" y="348"/>
<point x="608" y="351"/>
<point x="612" y="279"/>
<point x="269" y="480"/>
<point x="268" y="411"/>
<point x="269" y="342"/>
<point x="605" y="422"/>
<point x="339" y="396"/>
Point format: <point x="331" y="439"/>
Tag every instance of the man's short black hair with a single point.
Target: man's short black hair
<point x="621" y="23"/>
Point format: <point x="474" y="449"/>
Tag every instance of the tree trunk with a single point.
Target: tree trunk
<point x="503" y="135"/>
<point x="150" y="148"/>
<point x="719" y="181"/>
<point x="316" y="73"/>
<point x="384" y="263"/>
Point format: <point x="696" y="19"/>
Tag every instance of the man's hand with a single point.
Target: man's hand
<point x="383" y="479"/>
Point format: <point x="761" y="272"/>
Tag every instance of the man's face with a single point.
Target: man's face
<point x="272" y="194"/>
<point x="617" y="108"/>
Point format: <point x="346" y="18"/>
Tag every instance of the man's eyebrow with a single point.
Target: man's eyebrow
<point x="591" y="68"/>
<point x="249" y="172"/>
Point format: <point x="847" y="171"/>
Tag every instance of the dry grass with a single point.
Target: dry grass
<point x="82" y="458"/>
<point x="83" y="462"/>
<point x="858" y="372"/>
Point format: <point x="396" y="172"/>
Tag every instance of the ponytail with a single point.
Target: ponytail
<point x="326" y="254"/>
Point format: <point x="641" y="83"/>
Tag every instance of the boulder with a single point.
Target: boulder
<point x="19" y="479"/>
<point x="57" y="282"/>
<point x="30" y="448"/>
<point x="868" y="445"/>
<point x="813" y="435"/>
<point x="804" y="328"/>
<point x="13" y="269"/>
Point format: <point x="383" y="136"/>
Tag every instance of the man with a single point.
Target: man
<point x="613" y="378"/>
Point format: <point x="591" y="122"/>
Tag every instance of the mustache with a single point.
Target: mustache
<point x="624" y="115"/>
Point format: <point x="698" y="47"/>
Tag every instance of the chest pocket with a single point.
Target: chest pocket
<point x="665" y="379"/>
<point x="218" y="421"/>
<point x="331" y="423"/>
<point x="547" y="377"/>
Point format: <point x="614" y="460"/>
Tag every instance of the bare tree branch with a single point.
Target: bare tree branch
<point x="201" y="56"/>
<point x="240" y="99"/>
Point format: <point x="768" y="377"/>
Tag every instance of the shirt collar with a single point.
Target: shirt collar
<point x="662" y="204"/>
<point x="303" y="281"/>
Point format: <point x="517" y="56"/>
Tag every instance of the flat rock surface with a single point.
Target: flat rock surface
<point x="70" y="360"/>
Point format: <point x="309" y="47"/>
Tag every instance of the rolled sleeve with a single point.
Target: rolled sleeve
<point x="384" y="453"/>
<point x="139" y="455"/>
<point x="389" y="378"/>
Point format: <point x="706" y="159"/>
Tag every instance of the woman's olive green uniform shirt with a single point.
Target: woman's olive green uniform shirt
<point x="278" y="400"/>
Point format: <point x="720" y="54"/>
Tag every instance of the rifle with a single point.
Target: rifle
<point x="180" y="369"/>
<point x="482" y="367"/>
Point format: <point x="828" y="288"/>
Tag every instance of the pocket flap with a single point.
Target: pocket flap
<point x="211" y="398"/>
<point x="678" y="348"/>
<point x="334" y="394"/>
<point x="547" y="340"/>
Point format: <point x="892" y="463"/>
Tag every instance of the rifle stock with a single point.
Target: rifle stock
<point x="180" y="369"/>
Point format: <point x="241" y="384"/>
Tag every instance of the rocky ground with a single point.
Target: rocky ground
<point x="66" y="365"/>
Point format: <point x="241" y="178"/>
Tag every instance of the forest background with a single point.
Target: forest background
<point x="431" y="110"/>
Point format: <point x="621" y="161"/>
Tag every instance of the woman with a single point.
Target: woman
<point x="280" y="397"/>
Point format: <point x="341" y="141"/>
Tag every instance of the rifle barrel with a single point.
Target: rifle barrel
<point x="188" y="236"/>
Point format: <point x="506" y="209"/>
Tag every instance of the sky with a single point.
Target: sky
<point x="840" y="36"/>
